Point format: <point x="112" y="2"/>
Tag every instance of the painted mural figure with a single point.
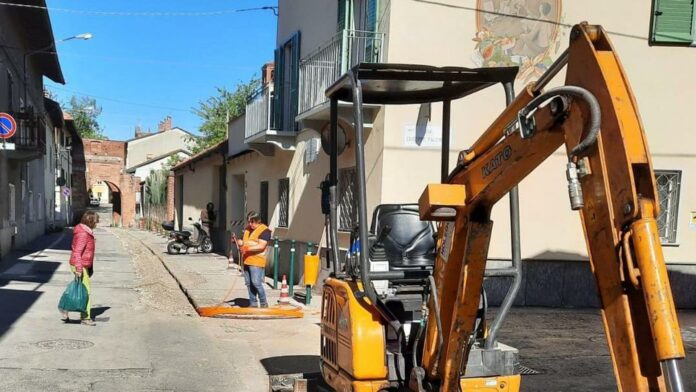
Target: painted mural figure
<point x="524" y="33"/>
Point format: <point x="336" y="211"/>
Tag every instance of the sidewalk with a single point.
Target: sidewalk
<point x="206" y="279"/>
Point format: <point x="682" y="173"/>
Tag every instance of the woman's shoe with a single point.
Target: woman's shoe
<point x="88" y="322"/>
<point x="65" y="317"/>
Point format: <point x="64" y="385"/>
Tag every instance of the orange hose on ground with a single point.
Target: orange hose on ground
<point x="275" y="312"/>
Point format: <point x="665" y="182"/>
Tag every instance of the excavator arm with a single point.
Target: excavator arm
<point x="611" y="183"/>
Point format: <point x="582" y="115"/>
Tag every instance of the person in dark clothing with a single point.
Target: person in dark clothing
<point x="208" y="217"/>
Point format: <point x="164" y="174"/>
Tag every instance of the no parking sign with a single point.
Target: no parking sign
<point x="8" y="126"/>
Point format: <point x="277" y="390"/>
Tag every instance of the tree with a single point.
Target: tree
<point x="85" y="111"/>
<point x="215" y="112"/>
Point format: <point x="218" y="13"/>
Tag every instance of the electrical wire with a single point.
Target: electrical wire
<point x="119" y="100"/>
<point x="274" y="9"/>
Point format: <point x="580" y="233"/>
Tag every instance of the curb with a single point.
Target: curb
<point x="166" y="267"/>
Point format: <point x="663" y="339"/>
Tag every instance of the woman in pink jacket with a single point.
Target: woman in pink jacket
<point x="82" y="257"/>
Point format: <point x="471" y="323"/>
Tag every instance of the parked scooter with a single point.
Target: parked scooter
<point x="182" y="241"/>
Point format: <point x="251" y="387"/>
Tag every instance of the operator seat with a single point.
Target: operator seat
<point x="411" y="242"/>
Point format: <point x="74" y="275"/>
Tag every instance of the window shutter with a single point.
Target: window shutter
<point x="672" y="22"/>
<point x="277" y="106"/>
<point x="342" y="15"/>
<point x="294" y="75"/>
<point x="371" y="15"/>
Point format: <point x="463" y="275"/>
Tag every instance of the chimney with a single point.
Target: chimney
<point x="165" y="124"/>
<point x="267" y="73"/>
<point x="138" y="132"/>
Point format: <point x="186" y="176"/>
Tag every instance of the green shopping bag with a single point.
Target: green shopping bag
<point x="74" y="298"/>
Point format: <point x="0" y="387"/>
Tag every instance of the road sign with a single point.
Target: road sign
<point x="66" y="191"/>
<point x="8" y="126"/>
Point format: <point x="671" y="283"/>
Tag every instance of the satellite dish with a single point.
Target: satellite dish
<point x="340" y="142"/>
<point x="60" y="181"/>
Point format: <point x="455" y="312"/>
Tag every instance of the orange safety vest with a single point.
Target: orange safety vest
<point x="257" y="259"/>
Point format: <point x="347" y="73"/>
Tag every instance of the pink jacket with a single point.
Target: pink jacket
<point x="82" y="255"/>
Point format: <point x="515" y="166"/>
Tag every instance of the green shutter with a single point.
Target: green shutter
<point x="371" y="15"/>
<point x="672" y="22"/>
<point x="277" y="106"/>
<point x="342" y="13"/>
<point x="294" y="75"/>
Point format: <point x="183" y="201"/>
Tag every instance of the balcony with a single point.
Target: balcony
<point x="259" y="127"/>
<point x="323" y="67"/>
<point x="29" y="142"/>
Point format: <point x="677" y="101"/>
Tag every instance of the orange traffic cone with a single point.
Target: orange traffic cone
<point x="284" y="294"/>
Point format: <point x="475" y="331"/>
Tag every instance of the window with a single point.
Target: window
<point x="283" y="202"/>
<point x="30" y="206"/>
<point x="263" y="202"/>
<point x="672" y="23"/>
<point x="39" y="207"/>
<point x="668" y="184"/>
<point x="286" y="85"/>
<point x="12" y="213"/>
<point x="347" y="199"/>
<point x="10" y="95"/>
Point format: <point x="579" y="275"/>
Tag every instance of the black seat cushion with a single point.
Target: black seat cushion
<point x="411" y="242"/>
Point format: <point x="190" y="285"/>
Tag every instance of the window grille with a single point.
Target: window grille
<point x="283" y="202"/>
<point x="347" y="200"/>
<point x="12" y="212"/>
<point x="263" y="202"/>
<point x="668" y="185"/>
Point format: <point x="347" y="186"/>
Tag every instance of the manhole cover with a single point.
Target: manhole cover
<point x="64" y="344"/>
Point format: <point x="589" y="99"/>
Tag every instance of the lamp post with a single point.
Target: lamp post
<point x="83" y="36"/>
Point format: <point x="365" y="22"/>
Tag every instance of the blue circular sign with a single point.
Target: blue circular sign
<point x="8" y="126"/>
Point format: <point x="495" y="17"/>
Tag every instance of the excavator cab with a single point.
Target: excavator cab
<point x="375" y="307"/>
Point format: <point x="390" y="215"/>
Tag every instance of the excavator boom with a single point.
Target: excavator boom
<point x="611" y="183"/>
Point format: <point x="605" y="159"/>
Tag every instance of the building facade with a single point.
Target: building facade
<point x="275" y="161"/>
<point x="26" y="196"/>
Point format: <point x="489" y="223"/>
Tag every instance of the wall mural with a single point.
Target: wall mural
<point x="525" y="33"/>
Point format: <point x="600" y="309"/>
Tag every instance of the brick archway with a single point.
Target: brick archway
<point x="105" y="161"/>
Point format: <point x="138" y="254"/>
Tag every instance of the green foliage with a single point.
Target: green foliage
<point x="173" y="160"/>
<point x="156" y="187"/>
<point x="216" y="111"/>
<point x="85" y="111"/>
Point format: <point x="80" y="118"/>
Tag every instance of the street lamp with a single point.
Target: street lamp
<point x="83" y="36"/>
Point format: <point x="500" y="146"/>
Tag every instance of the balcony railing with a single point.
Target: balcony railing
<point x="258" y="112"/>
<point x="324" y="66"/>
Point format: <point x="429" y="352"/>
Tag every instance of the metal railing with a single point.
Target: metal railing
<point x="258" y="111"/>
<point x="323" y="67"/>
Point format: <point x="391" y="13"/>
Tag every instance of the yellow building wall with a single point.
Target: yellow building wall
<point x="661" y="78"/>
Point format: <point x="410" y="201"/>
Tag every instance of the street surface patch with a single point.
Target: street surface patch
<point x="64" y="344"/>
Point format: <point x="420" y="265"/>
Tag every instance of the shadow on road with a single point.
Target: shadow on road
<point x="33" y="264"/>
<point x="241" y="302"/>
<point x="308" y="365"/>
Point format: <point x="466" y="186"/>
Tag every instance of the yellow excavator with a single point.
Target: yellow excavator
<point x="405" y="309"/>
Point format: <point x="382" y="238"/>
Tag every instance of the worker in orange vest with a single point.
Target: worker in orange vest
<point x="253" y="248"/>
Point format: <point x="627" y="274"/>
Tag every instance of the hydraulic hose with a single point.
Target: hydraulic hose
<point x="438" y="320"/>
<point x="577" y="92"/>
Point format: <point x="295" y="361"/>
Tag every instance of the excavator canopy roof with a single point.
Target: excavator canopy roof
<point x="399" y="84"/>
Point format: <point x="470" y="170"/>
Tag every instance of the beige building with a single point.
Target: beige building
<point x="147" y="147"/>
<point x="275" y="162"/>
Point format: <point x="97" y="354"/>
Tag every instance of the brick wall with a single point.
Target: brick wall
<point x="105" y="161"/>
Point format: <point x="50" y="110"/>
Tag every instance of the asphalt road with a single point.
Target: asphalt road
<point x="148" y="338"/>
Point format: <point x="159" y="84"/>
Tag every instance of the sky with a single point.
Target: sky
<point x="142" y="68"/>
